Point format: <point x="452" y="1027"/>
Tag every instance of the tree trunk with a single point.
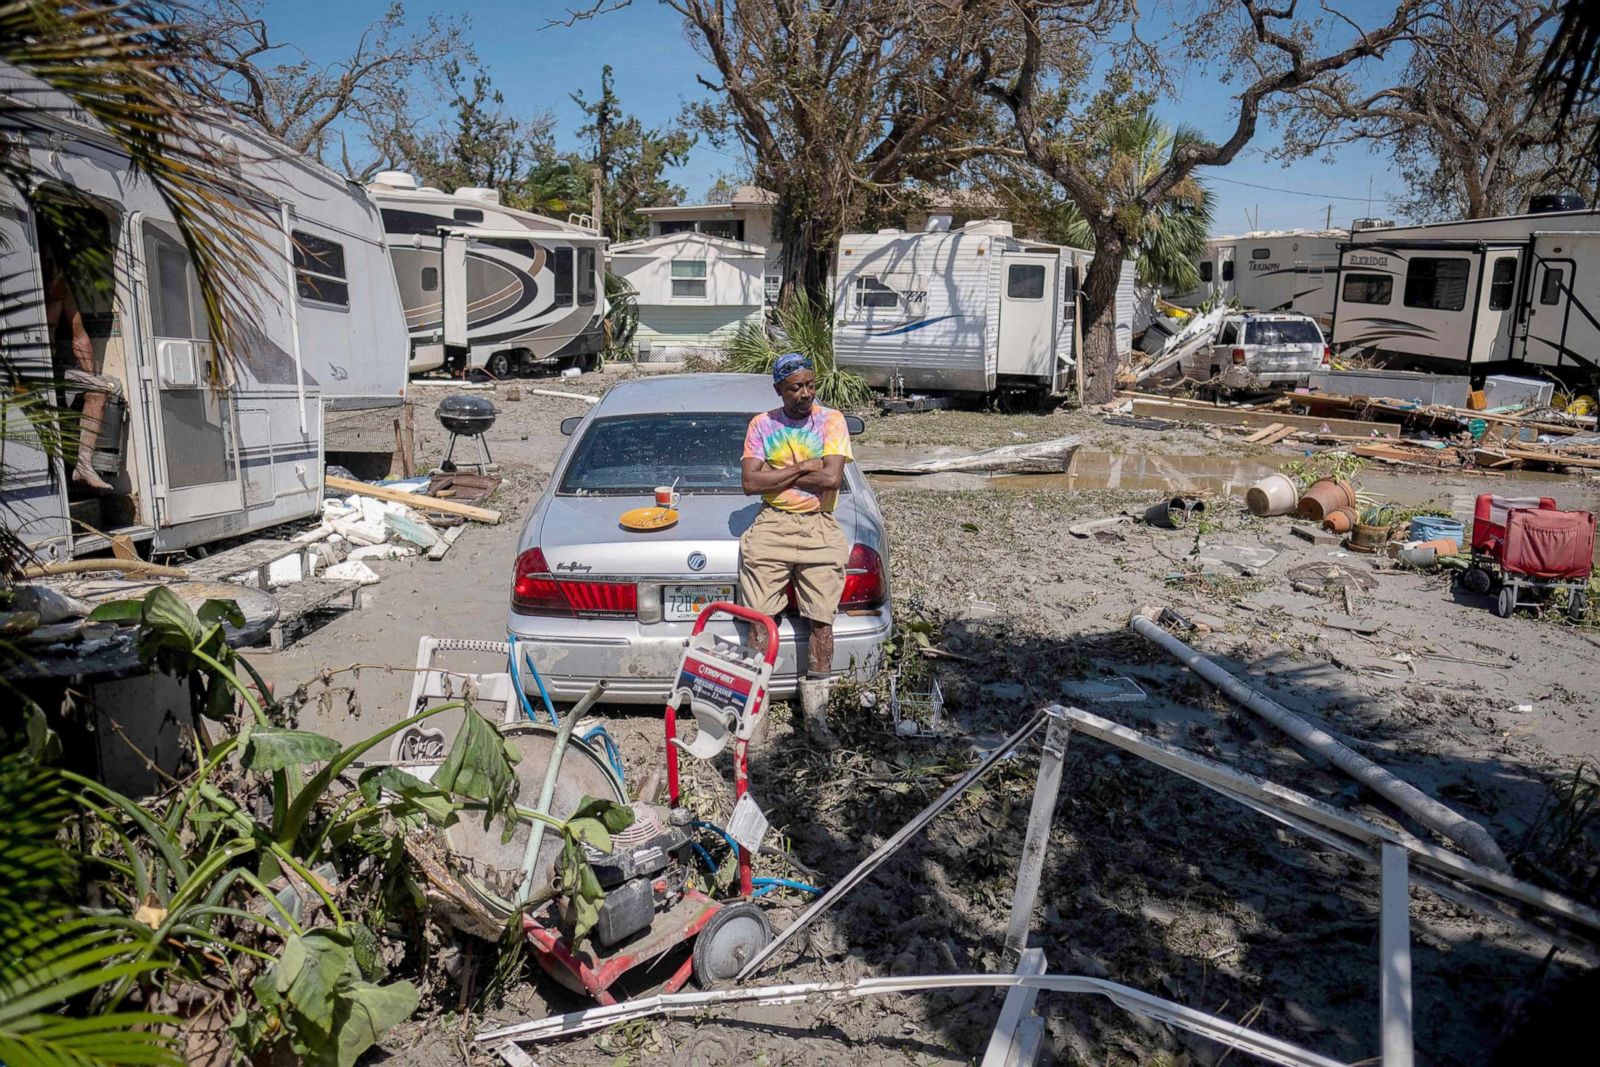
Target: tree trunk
<point x="807" y="241"/>
<point x="1099" y="353"/>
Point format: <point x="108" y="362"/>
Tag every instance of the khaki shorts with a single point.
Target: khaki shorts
<point x="807" y="548"/>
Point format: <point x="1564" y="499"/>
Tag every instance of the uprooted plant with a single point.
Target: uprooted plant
<point x="244" y="904"/>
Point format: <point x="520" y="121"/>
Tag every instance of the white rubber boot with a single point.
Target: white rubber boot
<point x="814" y="709"/>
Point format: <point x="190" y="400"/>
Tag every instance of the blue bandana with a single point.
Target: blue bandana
<point x="790" y="363"/>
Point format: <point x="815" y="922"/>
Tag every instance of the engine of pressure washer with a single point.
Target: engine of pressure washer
<point x="644" y="873"/>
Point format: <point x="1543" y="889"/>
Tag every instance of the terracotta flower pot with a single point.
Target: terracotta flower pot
<point x="1324" y="496"/>
<point x="1364" y="538"/>
<point x="1442" y="546"/>
<point x="1341" y="520"/>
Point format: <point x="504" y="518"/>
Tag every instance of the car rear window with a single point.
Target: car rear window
<point x="1282" y="332"/>
<point x="632" y="454"/>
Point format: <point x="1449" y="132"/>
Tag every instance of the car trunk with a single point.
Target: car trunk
<point x="1296" y="360"/>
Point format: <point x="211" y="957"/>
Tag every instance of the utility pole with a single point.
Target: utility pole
<point x="1329" y="224"/>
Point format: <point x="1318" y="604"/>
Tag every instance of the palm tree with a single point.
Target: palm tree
<point x="1128" y="151"/>
<point x="552" y="187"/>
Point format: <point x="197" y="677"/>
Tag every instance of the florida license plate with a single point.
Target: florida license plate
<point x="686" y="602"/>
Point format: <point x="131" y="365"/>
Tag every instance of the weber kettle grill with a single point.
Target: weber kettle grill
<point x="466" y="416"/>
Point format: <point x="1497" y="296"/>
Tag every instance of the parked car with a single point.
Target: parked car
<point x="1258" y="350"/>
<point x="592" y="600"/>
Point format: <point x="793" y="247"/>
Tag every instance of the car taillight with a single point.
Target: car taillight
<point x="1327" y="356"/>
<point x="1238" y="356"/>
<point x="864" y="584"/>
<point x="535" y="591"/>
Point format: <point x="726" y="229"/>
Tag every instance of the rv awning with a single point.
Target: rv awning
<point x="577" y="237"/>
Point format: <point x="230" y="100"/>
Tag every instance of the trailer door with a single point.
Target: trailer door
<point x="1548" y="338"/>
<point x="453" y="289"/>
<point x="1028" y="308"/>
<point x="195" y="451"/>
<point x="1497" y="298"/>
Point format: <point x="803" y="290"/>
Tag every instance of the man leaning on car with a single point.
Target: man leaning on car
<point x="794" y="457"/>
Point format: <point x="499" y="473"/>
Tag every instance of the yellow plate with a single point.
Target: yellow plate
<point x="651" y="518"/>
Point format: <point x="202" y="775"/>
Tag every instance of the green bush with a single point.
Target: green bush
<point x="804" y="325"/>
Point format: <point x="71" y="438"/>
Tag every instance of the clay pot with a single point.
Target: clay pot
<point x="1364" y="538"/>
<point x="1442" y="546"/>
<point x="1341" y="520"/>
<point x="1324" y="496"/>
<point x="1272" y="495"/>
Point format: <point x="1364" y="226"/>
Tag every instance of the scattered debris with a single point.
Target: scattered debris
<point x="1040" y="457"/>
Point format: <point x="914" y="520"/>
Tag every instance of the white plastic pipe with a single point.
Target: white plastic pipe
<point x="1473" y="838"/>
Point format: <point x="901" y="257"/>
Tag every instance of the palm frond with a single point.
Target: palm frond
<point x="804" y="325"/>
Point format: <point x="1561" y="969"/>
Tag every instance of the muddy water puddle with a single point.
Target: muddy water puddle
<point x="1209" y="475"/>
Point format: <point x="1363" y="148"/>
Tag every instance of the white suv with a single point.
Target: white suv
<point x="1254" y="351"/>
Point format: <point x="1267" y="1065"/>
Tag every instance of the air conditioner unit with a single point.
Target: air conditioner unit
<point x="178" y="364"/>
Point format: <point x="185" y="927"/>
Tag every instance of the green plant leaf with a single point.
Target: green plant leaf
<point x="118" y="611"/>
<point x="596" y="820"/>
<point x="219" y="703"/>
<point x="218" y="611"/>
<point x="479" y="766"/>
<point x="581" y="894"/>
<point x="272" y="748"/>
<point x="412" y="793"/>
<point x="169" y="619"/>
<point x="365" y="1013"/>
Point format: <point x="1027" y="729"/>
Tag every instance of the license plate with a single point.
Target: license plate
<point x="685" y="602"/>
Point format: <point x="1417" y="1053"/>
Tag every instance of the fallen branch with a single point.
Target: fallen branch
<point x="412" y="500"/>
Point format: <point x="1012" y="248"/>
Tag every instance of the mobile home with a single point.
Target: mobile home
<point x="1480" y="295"/>
<point x="694" y="291"/>
<point x="489" y="286"/>
<point x="1270" y="270"/>
<point x="969" y="310"/>
<point x="191" y="447"/>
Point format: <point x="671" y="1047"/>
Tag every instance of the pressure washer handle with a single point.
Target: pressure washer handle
<point x="749" y="615"/>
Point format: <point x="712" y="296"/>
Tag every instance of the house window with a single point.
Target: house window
<point x="430" y="279"/>
<point x="688" y="279"/>
<point x="1550" y="290"/>
<point x="561" y="264"/>
<point x="871" y="293"/>
<point x="467" y="214"/>
<point x="1206" y="271"/>
<point x="1227" y="270"/>
<point x="667" y="226"/>
<point x="732" y="229"/>
<point x="586" y="287"/>
<point x="1261" y="253"/>
<point x="1025" y="281"/>
<point x="1367" y="289"/>
<point x="319" y="273"/>
<point x="1502" y="282"/>
<point x="1436" y="283"/>
<point x="772" y="285"/>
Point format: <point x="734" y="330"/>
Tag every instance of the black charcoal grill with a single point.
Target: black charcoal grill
<point x="466" y="416"/>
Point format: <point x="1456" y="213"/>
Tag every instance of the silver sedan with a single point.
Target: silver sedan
<point x="593" y="600"/>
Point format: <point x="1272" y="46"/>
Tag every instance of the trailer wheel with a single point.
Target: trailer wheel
<point x="1578" y="604"/>
<point x="498" y="365"/>
<point x="1506" y="602"/>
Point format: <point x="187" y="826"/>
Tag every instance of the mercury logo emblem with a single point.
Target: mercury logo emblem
<point x="697" y="561"/>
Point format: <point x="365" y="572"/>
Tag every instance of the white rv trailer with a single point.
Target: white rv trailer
<point x="1480" y="294"/>
<point x="489" y="286"/>
<point x="198" y="448"/>
<point x="1270" y="270"/>
<point x="969" y="310"/>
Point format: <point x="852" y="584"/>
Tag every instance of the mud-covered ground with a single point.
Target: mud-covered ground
<point x="1150" y="881"/>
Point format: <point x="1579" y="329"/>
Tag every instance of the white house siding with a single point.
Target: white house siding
<point x="675" y="332"/>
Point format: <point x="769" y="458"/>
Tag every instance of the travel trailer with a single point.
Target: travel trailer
<point x="1480" y="295"/>
<point x="1270" y="270"/>
<point x="191" y="447"/>
<point x="969" y="310"/>
<point x="694" y="291"/>
<point x="488" y="286"/>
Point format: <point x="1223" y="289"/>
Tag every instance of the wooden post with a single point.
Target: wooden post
<point x="403" y="464"/>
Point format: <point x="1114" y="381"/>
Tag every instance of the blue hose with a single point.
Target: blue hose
<point x="710" y="863"/>
<point x="516" y="681"/>
<point x="769" y="884"/>
<point x="719" y="830"/>
<point x="613" y="755"/>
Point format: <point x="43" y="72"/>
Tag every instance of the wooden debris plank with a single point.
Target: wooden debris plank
<point x="257" y="556"/>
<point x="421" y="503"/>
<point x="1560" y="459"/>
<point x="1265" y="432"/>
<point x="301" y="599"/>
<point x="1278" y="435"/>
<point x="1232" y="416"/>
<point x="437" y="552"/>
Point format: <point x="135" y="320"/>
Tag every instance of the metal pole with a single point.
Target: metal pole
<point x="1031" y="864"/>
<point x="530" y="855"/>
<point x="893" y="845"/>
<point x="1394" y="950"/>
<point x="292" y="302"/>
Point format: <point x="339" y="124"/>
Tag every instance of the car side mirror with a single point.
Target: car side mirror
<point x="569" y="424"/>
<point x="855" y="425"/>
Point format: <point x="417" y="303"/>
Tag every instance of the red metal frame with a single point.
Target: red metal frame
<point x="741" y="765"/>
<point x="596" y="974"/>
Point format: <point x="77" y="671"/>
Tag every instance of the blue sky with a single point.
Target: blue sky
<point x="655" y="67"/>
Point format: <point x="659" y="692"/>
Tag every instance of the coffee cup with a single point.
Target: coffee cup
<point x="666" y="496"/>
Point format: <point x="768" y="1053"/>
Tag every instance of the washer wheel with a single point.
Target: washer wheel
<point x="728" y="941"/>
<point x="1506" y="602"/>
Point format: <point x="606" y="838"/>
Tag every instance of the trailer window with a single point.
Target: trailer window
<point x="319" y="272"/>
<point x="871" y="293"/>
<point x="1070" y="290"/>
<point x="586" y="288"/>
<point x="1025" y="281"/>
<point x="688" y="279"/>
<point x="430" y="279"/>
<point x="561" y="265"/>
<point x="1227" y="270"/>
<point x="467" y="214"/>
<point x="1367" y="289"/>
<point x="1206" y="272"/>
<point x="1550" y="290"/>
<point x="1502" y="282"/>
<point x="1261" y="253"/>
<point x="1436" y="283"/>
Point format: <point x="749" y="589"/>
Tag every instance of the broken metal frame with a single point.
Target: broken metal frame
<point x="1018" y="1032"/>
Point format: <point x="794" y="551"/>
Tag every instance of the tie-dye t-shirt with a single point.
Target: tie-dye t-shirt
<point x="782" y="441"/>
